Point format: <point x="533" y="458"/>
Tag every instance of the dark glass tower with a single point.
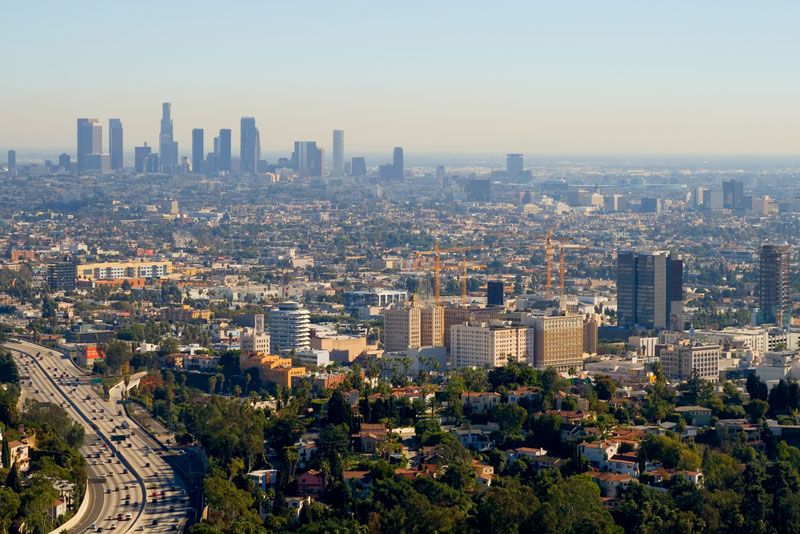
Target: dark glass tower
<point x="773" y="285"/>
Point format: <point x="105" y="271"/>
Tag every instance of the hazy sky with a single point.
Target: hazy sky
<point x="456" y="76"/>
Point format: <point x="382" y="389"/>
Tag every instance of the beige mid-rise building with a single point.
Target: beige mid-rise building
<point x="680" y="359"/>
<point x="254" y="342"/>
<point x="460" y="314"/>
<point x="558" y="342"/>
<point x="401" y="328"/>
<point x="411" y="325"/>
<point x="432" y="326"/>
<point x="488" y="345"/>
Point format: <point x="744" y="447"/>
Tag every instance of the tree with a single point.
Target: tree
<point x="6" y="454"/>
<point x="573" y="505"/>
<point x="779" y="398"/>
<point x="212" y="383"/>
<point x="508" y="507"/>
<point x="117" y="353"/>
<point x="510" y="417"/>
<point x="755" y="387"/>
<point x="696" y="390"/>
<point x="757" y="409"/>
<point x="605" y="386"/>
<point x="168" y="345"/>
<point x="229" y="507"/>
<point x="9" y="507"/>
<point x="339" y="411"/>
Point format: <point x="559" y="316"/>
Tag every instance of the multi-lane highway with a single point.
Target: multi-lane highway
<point x="132" y="487"/>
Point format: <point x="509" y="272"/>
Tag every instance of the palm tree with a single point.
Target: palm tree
<point x="221" y="381"/>
<point x="212" y="383"/>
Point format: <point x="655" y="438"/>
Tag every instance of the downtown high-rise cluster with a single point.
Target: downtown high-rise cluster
<point x="307" y="158"/>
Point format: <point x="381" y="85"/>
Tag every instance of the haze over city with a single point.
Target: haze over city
<point x="458" y="77"/>
<point x="407" y="267"/>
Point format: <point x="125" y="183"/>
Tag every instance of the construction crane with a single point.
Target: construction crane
<point x="437" y="265"/>
<point x="463" y="269"/>
<point x="549" y="248"/>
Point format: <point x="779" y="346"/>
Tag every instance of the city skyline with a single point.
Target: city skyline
<point x="615" y="78"/>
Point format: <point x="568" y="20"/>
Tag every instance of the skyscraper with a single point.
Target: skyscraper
<point x="773" y="285"/>
<point x="90" y="140"/>
<point x="140" y="154"/>
<point x="64" y="162"/>
<point x="397" y="163"/>
<point x="12" y="161"/>
<point x="308" y="158"/>
<point x="224" y="154"/>
<point x="649" y="290"/>
<point x="732" y="193"/>
<point x="358" y="166"/>
<point x="197" y="150"/>
<point x="115" y="143"/>
<point x="250" y="145"/>
<point x="495" y="293"/>
<point x="167" y="146"/>
<point x="514" y="165"/>
<point x="338" y="153"/>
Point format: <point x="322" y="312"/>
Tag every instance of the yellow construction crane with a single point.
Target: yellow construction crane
<point x="463" y="269"/>
<point x="437" y="265"/>
<point x="549" y="247"/>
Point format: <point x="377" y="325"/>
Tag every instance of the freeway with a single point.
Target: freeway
<point x="133" y="487"/>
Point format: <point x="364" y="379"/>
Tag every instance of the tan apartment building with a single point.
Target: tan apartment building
<point x="558" y="342"/>
<point x="431" y="326"/>
<point x="459" y="315"/>
<point x="478" y="344"/>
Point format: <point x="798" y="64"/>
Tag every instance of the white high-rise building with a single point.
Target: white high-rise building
<point x="338" y="153"/>
<point x="289" y="327"/>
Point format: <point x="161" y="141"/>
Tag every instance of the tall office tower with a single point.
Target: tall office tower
<point x="197" y="150"/>
<point x="115" y="143"/>
<point x="649" y="290"/>
<point x="64" y="162"/>
<point x="12" y="161"/>
<point x="773" y="285"/>
<point x="90" y="140"/>
<point x="288" y="327"/>
<point x="732" y="194"/>
<point x="514" y="165"/>
<point x="318" y="162"/>
<point x="338" y="153"/>
<point x="300" y="154"/>
<point x="308" y="158"/>
<point x="250" y="145"/>
<point x="224" y="158"/>
<point x="140" y="154"/>
<point x="167" y="146"/>
<point x="495" y="293"/>
<point x="397" y="163"/>
<point x="358" y="167"/>
<point x="151" y="164"/>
